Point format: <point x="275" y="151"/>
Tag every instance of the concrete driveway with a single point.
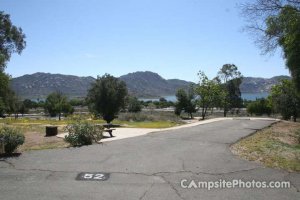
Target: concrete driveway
<point x="151" y="166"/>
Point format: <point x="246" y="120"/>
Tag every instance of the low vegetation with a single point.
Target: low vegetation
<point x="259" y="107"/>
<point x="34" y="129"/>
<point x="83" y="133"/>
<point x="12" y="138"/>
<point x="277" y="146"/>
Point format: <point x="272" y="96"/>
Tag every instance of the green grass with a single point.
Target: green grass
<point x="275" y="147"/>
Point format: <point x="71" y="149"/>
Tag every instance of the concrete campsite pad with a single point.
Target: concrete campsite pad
<point x="150" y="166"/>
<point x="123" y="133"/>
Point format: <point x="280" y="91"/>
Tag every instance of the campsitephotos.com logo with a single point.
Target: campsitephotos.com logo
<point x="236" y="183"/>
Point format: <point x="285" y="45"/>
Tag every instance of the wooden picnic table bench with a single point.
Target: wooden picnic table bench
<point x="109" y="130"/>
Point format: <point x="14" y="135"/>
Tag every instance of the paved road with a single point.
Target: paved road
<point x="146" y="167"/>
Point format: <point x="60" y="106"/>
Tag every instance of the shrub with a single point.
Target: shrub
<point x="83" y="133"/>
<point x="259" y="107"/>
<point x="152" y="116"/>
<point x="134" y="105"/>
<point x="12" y="139"/>
<point x="137" y="117"/>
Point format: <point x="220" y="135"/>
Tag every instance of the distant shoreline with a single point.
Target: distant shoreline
<point x="246" y="95"/>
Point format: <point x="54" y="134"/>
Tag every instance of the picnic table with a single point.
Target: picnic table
<point x="108" y="128"/>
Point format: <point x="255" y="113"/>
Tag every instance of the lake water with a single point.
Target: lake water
<point x="253" y="96"/>
<point x="247" y="96"/>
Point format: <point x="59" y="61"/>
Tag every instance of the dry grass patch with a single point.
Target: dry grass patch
<point x="35" y="137"/>
<point x="34" y="130"/>
<point x="37" y="141"/>
<point x="277" y="146"/>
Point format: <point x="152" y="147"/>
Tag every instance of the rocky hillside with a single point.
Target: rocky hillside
<point x="149" y="84"/>
<point x="141" y="84"/>
<point x="256" y="85"/>
<point x="39" y="85"/>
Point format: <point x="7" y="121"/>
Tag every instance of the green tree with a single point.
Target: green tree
<point x="4" y="93"/>
<point x="77" y="102"/>
<point x="134" y="105"/>
<point x="234" y="95"/>
<point x="29" y="104"/>
<point x="106" y="97"/>
<point x="285" y="27"/>
<point x="12" y="40"/>
<point x="2" y="108"/>
<point x="209" y="91"/>
<point x="276" y="24"/>
<point x="23" y="108"/>
<point x="56" y="103"/>
<point x="259" y="107"/>
<point x="185" y="102"/>
<point x="285" y="99"/>
<point x="163" y="103"/>
<point x="13" y="104"/>
<point x="231" y="79"/>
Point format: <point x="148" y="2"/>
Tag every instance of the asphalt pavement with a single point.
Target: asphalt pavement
<point x="157" y="165"/>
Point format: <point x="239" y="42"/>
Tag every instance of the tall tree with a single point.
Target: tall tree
<point x="231" y="79"/>
<point x="209" y="91"/>
<point x="106" y="97"/>
<point x="12" y="40"/>
<point x="285" y="100"/>
<point x="233" y="98"/>
<point x="13" y="104"/>
<point x="133" y="104"/>
<point x="185" y="102"/>
<point x="56" y="104"/>
<point x="275" y="23"/>
<point x="4" y="93"/>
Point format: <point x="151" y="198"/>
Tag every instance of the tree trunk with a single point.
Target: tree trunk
<point x="59" y="116"/>
<point x="204" y="113"/>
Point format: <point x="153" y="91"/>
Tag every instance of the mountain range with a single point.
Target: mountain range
<point x="140" y="84"/>
<point x="256" y="85"/>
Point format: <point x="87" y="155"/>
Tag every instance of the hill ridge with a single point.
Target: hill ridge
<point x="140" y="84"/>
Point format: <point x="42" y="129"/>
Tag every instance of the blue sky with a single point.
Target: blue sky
<point x="175" y="38"/>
